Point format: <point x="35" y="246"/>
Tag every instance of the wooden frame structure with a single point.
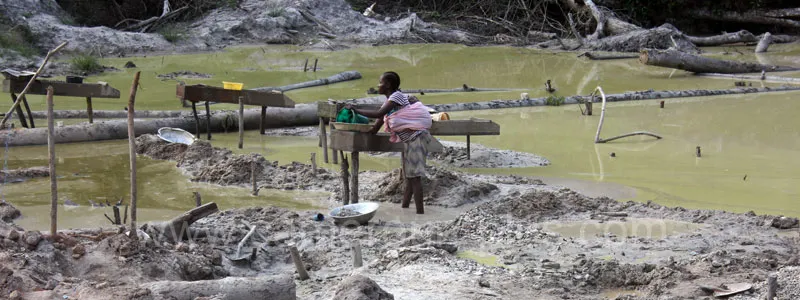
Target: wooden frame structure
<point x="15" y="82"/>
<point x="356" y="142"/>
<point x="206" y="93"/>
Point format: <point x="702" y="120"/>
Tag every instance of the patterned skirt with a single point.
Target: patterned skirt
<point x="415" y="154"/>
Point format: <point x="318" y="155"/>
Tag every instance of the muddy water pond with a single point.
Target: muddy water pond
<point x="749" y="143"/>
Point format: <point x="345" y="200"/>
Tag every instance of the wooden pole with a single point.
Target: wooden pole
<point x="197" y="200"/>
<point x="772" y="287"/>
<point x="208" y="121"/>
<point x="588" y="108"/>
<point x="196" y="120"/>
<point x="305" y="66"/>
<point x="30" y="83"/>
<point x="354" y="177"/>
<point x="315" y="64"/>
<point x="662" y="103"/>
<point x="22" y="121"/>
<point x="125" y="216"/>
<point x="253" y="178"/>
<point x="28" y="110"/>
<point x="314" y="164"/>
<point x="357" y="260"/>
<point x="132" y="150"/>
<point x="89" y="110"/>
<point x="263" y="125"/>
<point x="345" y="179"/>
<point x="51" y="151"/>
<point x="301" y="270"/>
<point x="469" y="153"/>
<point x="323" y="139"/>
<point x="241" y="122"/>
<point x="697" y="151"/>
<point x="333" y="152"/>
<point x="117" y="219"/>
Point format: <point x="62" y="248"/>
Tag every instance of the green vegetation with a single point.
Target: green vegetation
<point x="555" y="100"/>
<point x="20" y="39"/>
<point x="173" y="32"/>
<point x="85" y="63"/>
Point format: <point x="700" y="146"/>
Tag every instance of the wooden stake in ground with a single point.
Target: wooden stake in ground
<point x="772" y="287"/>
<point x="323" y="140"/>
<point x="354" y="177"/>
<point x="315" y="64"/>
<point x="301" y="270"/>
<point x="305" y="65"/>
<point x="253" y="178"/>
<point x="697" y="152"/>
<point x="132" y="148"/>
<point x="30" y="83"/>
<point x="196" y="120"/>
<point x="263" y="124"/>
<point x="345" y="179"/>
<point x="357" y="260"/>
<point x="333" y="152"/>
<point x="197" y="200"/>
<point x="89" y="110"/>
<point x="314" y="164"/>
<point x="208" y="121"/>
<point x="51" y="151"/>
<point x="241" y="122"/>
<point x="598" y="140"/>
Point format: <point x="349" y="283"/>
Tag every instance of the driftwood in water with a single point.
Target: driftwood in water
<point x="279" y="287"/>
<point x="764" y="43"/>
<point x="463" y="89"/>
<point x="608" y="56"/>
<point x="109" y="114"/>
<point x="775" y="79"/>
<point x="301" y="115"/>
<point x="598" y="140"/>
<point x="699" y="64"/>
<point x="177" y="229"/>
<point x="341" y="77"/>
<point x="741" y="36"/>
<point x="628" y="96"/>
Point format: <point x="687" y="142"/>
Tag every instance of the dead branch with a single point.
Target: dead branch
<point x="699" y="64"/>
<point x="597" y="139"/>
<point x="610" y="56"/>
<point x="754" y="17"/>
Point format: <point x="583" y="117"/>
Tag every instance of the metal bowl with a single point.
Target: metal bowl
<point x="367" y="211"/>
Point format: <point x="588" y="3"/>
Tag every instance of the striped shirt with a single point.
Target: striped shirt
<point x="402" y="100"/>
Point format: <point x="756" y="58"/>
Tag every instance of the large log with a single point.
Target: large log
<point x="699" y="64"/>
<point x="628" y="96"/>
<point x="280" y="287"/>
<point x="752" y="17"/>
<point x="110" y="114"/>
<point x="177" y="229"/>
<point x="341" y="77"/>
<point x="301" y="115"/>
<point x="463" y="89"/>
<point x="741" y="36"/>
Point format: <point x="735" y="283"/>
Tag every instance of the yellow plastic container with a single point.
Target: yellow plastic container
<point x="443" y="116"/>
<point x="232" y="85"/>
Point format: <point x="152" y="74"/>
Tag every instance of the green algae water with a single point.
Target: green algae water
<point x="750" y="145"/>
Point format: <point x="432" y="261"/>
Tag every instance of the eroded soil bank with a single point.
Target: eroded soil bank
<point x="506" y="246"/>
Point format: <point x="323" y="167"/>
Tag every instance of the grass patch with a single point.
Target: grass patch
<point x="173" y="33"/>
<point x="85" y="63"/>
<point x="276" y="8"/>
<point x="20" y="39"/>
<point x="555" y="100"/>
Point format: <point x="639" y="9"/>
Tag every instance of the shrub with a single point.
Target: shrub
<point x="85" y="63"/>
<point x="173" y="33"/>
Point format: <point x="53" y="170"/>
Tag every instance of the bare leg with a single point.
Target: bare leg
<point x="416" y="184"/>
<point x="407" y="195"/>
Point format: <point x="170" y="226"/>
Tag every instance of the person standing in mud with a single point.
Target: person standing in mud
<point x="408" y="120"/>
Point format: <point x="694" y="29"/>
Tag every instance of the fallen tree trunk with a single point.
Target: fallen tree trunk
<point x="301" y="115"/>
<point x="742" y="36"/>
<point x="699" y="64"/>
<point x="628" y="96"/>
<point x="280" y="287"/>
<point x="344" y="76"/>
<point x="177" y="229"/>
<point x="753" y="17"/>
<point x="609" y="56"/>
<point x="110" y="114"/>
<point x="464" y="89"/>
<point x="775" y="79"/>
<point x="783" y="38"/>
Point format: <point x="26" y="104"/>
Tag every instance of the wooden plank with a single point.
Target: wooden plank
<point x="39" y="87"/>
<point x="465" y="127"/>
<point x="196" y="93"/>
<point x="359" y="141"/>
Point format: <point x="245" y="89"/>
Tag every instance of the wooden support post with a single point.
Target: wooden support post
<point x="315" y="64"/>
<point x="323" y="140"/>
<point x="697" y="151"/>
<point x="117" y="219"/>
<point x="354" y="177"/>
<point x="241" y="122"/>
<point x="468" y="148"/>
<point x="333" y="152"/>
<point x="263" y="125"/>
<point x="345" y="179"/>
<point x="588" y="108"/>
<point x="89" y="110"/>
<point x="305" y="66"/>
<point x="253" y="178"/>
<point x="208" y="121"/>
<point x="125" y="216"/>
<point x="28" y="110"/>
<point x="772" y="287"/>
<point x="301" y="270"/>
<point x="314" y="164"/>
<point x="357" y="260"/>
<point x="51" y="151"/>
<point x="30" y="83"/>
<point x="20" y="114"/>
<point x="132" y="150"/>
<point x="197" y="200"/>
<point x="662" y="103"/>
<point x="196" y="120"/>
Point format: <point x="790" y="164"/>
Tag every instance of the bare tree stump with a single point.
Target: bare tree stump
<point x="662" y="103"/>
<point x="588" y="108"/>
<point x="305" y="65"/>
<point x="764" y="43"/>
<point x="772" y="287"/>
<point x="357" y="260"/>
<point x="697" y="152"/>
<point x="315" y="64"/>
<point x="117" y="219"/>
